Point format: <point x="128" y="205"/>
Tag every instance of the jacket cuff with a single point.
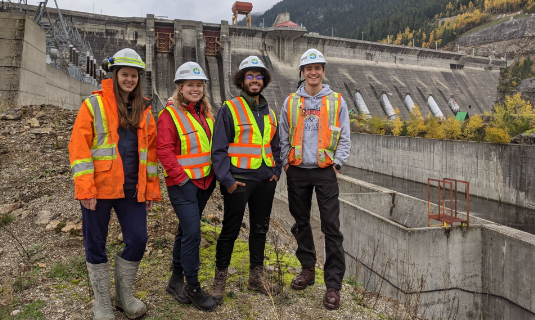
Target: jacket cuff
<point x="228" y="183"/>
<point x="183" y="182"/>
<point x="338" y="162"/>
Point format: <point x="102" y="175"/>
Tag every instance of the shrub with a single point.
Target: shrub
<point x="434" y="129"/>
<point x="416" y="123"/>
<point x="473" y="129"/>
<point x="497" y="135"/>
<point x="398" y="126"/>
<point x="377" y="125"/>
<point x="452" y="128"/>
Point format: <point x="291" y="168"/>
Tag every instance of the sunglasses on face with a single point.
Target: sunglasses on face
<point x="251" y="77"/>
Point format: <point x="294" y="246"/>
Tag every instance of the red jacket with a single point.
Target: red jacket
<point x="168" y="147"/>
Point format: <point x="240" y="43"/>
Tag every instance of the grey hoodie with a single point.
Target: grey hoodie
<point x="310" y="134"/>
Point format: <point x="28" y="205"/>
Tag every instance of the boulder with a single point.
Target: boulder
<point x="12" y="114"/>
<point x="42" y="218"/>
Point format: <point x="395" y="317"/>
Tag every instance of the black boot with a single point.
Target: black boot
<point x="175" y="287"/>
<point x="200" y="299"/>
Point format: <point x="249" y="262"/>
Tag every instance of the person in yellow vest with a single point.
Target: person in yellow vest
<point x="315" y="143"/>
<point x="185" y="129"/>
<point x="246" y="160"/>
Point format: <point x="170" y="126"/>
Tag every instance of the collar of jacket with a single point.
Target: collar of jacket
<point x="107" y="88"/>
<point x="191" y="107"/>
<point x="251" y="102"/>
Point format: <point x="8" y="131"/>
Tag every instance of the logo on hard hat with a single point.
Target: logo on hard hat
<point x="196" y="71"/>
<point x="312" y="56"/>
<point x="254" y="61"/>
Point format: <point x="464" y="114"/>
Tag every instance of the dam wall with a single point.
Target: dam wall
<point x="369" y="68"/>
<point x="501" y="172"/>
<point x="26" y="77"/>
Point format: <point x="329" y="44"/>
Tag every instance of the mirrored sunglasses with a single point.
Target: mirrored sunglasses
<point x="251" y="77"/>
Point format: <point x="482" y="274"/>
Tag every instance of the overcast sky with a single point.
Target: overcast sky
<point x="202" y="10"/>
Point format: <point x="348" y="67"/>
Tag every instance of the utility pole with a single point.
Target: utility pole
<point x="362" y="35"/>
<point x="436" y="45"/>
<point x="413" y="42"/>
<point x="263" y="23"/>
<point x="332" y="31"/>
<point x="388" y="39"/>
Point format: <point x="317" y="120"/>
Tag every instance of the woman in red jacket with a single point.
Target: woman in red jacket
<point x="184" y="142"/>
<point x="113" y="158"/>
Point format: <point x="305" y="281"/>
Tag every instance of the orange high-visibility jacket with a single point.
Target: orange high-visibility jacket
<point x="95" y="161"/>
<point x="329" y="128"/>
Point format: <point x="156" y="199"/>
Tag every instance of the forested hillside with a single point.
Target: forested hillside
<point x="397" y="21"/>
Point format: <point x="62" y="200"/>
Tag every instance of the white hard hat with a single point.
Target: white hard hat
<point x="190" y="71"/>
<point x="126" y="58"/>
<point x="312" y="56"/>
<point x="252" y="62"/>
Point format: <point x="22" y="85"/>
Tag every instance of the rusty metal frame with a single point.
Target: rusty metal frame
<point x="213" y="45"/>
<point x="442" y="216"/>
<point x="164" y="41"/>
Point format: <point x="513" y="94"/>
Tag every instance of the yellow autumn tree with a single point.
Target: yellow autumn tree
<point x="472" y="126"/>
<point x="452" y="128"/>
<point x="416" y="123"/>
<point x="433" y="128"/>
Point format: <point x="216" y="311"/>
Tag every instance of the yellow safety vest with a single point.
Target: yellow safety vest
<point x="250" y="147"/>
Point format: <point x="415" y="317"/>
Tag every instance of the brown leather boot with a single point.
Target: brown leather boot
<point x="218" y="287"/>
<point x="306" y="278"/>
<point x="258" y="282"/>
<point x="332" y="299"/>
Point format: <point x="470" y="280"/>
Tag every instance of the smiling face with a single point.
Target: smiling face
<point x="313" y="74"/>
<point x="255" y="86"/>
<point x="192" y="90"/>
<point x="127" y="78"/>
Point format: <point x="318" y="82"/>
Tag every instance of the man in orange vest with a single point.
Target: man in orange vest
<point x="246" y="161"/>
<point x="315" y="143"/>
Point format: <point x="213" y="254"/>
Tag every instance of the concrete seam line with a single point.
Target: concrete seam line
<point x="437" y="290"/>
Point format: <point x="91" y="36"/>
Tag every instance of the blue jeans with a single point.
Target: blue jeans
<point x="188" y="202"/>
<point x="132" y="217"/>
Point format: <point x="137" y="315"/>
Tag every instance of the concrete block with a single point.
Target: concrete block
<point x="10" y="52"/>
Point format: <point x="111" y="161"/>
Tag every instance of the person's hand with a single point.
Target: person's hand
<point x="234" y="186"/>
<point x="89" y="204"/>
<point x="149" y="204"/>
<point x="335" y="170"/>
<point x="274" y="177"/>
<point x="286" y="167"/>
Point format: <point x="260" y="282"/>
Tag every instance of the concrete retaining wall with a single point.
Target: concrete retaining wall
<point x="26" y="77"/>
<point x="480" y="272"/>
<point x="495" y="171"/>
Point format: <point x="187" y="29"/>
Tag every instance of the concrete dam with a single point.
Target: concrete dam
<point x="373" y="78"/>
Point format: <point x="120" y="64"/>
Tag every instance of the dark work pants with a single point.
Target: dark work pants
<point x="188" y="201"/>
<point x="301" y="183"/>
<point x="259" y="195"/>
<point x="132" y="217"/>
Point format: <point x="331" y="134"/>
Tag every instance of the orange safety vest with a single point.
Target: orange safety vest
<point x="329" y="128"/>
<point x="250" y="146"/>
<point x="195" y="147"/>
<point x="97" y="167"/>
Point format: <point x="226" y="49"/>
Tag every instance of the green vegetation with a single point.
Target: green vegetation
<point x="6" y="219"/>
<point x="74" y="270"/>
<point x="31" y="311"/>
<point x="514" y="74"/>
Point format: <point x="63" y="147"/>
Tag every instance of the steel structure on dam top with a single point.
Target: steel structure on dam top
<point x="378" y="78"/>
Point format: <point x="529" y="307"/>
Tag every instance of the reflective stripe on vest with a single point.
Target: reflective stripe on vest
<point x="82" y="166"/>
<point x="328" y="132"/>
<point x="250" y="146"/>
<point x="195" y="147"/>
<point x="152" y="168"/>
<point x="101" y="149"/>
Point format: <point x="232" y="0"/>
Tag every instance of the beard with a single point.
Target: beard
<point x="252" y="94"/>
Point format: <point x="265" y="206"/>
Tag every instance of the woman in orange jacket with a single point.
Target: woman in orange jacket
<point x="114" y="164"/>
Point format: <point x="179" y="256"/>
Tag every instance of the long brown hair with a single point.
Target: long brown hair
<point x="128" y="120"/>
<point x="180" y="102"/>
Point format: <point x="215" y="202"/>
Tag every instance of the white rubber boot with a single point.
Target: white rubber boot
<point x="99" y="276"/>
<point x="125" y="276"/>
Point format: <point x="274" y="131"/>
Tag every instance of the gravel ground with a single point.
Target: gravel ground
<point x="42" y="263"/>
